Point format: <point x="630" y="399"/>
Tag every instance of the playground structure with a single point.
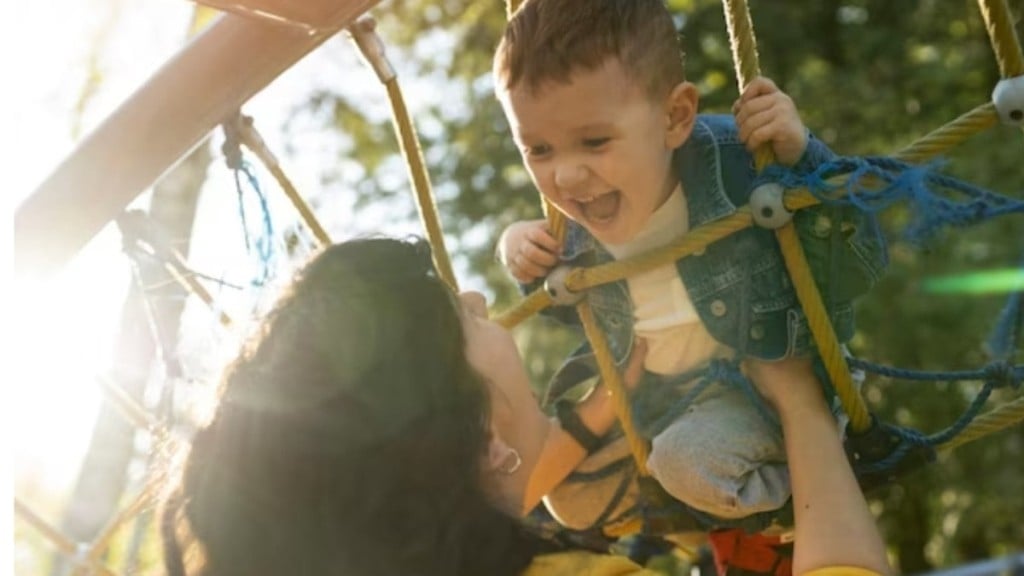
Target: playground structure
<point x="258" y="39"/>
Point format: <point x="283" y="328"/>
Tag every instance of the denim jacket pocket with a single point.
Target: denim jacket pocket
<point x="845" y="250"/>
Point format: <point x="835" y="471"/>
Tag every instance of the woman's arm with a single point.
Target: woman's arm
<point x="833" y="524"/>
<point x="562" y="453"/>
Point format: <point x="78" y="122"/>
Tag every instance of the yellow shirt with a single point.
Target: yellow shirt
<point x="579" y="563"/>
<point x="841" y="571"/>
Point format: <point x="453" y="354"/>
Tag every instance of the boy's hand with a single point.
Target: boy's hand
<point x="528" y="250"/>
<point x="767" y="115"/>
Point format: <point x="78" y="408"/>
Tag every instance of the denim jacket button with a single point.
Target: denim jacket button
<point x="757" y="331"/>
<point x="718" y="308"/>
<point x="822" y="226"/>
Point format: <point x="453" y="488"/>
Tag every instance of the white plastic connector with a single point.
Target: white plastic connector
<point x="767" y="206"/>
<point x="364" y="33"/>
<point x="554" y="285"/>
<point x="1008" y="98"/>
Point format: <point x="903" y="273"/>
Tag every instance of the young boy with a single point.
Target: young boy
<point x="596" y="99"/>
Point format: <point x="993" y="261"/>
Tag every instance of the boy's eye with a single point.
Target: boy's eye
<point x="595" y="142"/>
<point x="539" y="150"/>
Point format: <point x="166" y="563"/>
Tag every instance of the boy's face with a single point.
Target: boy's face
<point x="599" y="147"/>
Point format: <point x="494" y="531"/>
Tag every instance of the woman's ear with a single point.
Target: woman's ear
<point x="680" y="114"/>
<point x="501" y="457"/>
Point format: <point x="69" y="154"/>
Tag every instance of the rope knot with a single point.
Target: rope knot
<point x="1002" y="373"/>
<point x="232" y="146"/>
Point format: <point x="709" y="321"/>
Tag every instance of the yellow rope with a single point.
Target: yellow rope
<point x="130" y="409"/>
<point x="613" y="380"/>
<point x="950" y="135"/>
<point x="821" y="328"/>
<point x="420" y="182"/>
<point x="143" y="499"/>
<point x="535" y="302"/>
<point x="63" y="544"/>
<point x="741" y="35"/>
<point x="742" y="42"/>
<point x="694" y="241"/>
<point x="1003" y="36"/>
<point x="372" y="48"/>
<point x="192" y="284"/>
<point x="1007" y="415"/>
<point x="251" y="138"/>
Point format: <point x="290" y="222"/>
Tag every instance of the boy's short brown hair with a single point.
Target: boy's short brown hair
<point x="547" y="40"/>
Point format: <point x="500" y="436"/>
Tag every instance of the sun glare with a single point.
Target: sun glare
<point x="64" y="332"/>
<point x="62" y="329"/>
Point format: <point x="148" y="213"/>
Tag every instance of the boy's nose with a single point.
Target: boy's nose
<point x="569" y="174"/>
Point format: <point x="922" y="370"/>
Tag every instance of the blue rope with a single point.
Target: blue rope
<point x="1003" y="341"/>
<point x="912" y="438"/>
<point x="726" y="372"/>
<point x="729" y="372"/>
<point x="916" y="184"/>
<point x="264" y="239"/>
<point x="1001" y="373"/>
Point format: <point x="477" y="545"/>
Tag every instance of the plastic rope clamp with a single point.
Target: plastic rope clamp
<point x="364" y="33"/>
<point x="554" y="285"/>
<point x="1008" y="98"/>
<point x="767" y="206"/>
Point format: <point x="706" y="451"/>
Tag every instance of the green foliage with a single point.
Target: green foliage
<point x="870" y="76"/>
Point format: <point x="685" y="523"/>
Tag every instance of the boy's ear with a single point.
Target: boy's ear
<point x="680" y="114"/>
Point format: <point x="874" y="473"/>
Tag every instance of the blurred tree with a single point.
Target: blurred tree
<point x="870" y="76"/>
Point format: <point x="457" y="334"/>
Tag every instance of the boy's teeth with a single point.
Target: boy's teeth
<point x="601" y="207"/>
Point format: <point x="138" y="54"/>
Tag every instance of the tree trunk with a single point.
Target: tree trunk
<point x="104" y="474"/>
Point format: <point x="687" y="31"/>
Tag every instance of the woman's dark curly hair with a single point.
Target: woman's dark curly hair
<point x="349" y="436"/>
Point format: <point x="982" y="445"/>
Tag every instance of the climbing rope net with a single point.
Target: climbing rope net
<point x="866" y="186"/>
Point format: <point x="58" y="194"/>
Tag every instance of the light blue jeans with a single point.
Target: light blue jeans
<point x="720" y="456"/>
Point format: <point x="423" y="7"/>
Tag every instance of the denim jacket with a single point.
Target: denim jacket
<point x="739" y="285"/>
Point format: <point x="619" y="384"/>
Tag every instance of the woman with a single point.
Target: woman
<point x="381" y="425"/>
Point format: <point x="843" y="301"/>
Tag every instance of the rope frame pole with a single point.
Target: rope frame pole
<point x="252" y="140"/>
<point x="638" y="446"/>
<point x="1009" y="414"/>
<point x="744" y="50"/>
<point x="1003" y="36"/>
<point x="371" y="47"/>
<point x="950" y="135"/>
<point x="63" y="544"/>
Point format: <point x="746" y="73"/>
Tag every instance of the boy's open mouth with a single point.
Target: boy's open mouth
<point x="601" y="208"/>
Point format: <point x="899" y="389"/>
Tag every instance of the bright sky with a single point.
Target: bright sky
<point x="61" y="332"/>
<point x="62" y="328"/>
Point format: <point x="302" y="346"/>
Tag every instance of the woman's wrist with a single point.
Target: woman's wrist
<point x="591" y="417"/>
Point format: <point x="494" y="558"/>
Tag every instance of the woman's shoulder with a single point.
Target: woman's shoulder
<point x="577" y="563"/>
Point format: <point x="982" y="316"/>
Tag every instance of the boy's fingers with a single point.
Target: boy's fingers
<point x="539" y="255"/>
<point x="528" y="268"/>
<point x="540" y="236"/>
<point x="764" y="134"/>
<point x="757" y="87"/>
<point x="754" y="121"/>
<point x="752" y="108"/>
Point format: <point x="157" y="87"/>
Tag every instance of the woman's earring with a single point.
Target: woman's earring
<point x="512" y="463"/>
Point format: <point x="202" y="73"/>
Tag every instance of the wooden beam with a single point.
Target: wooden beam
<point x="158" y="125"/>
